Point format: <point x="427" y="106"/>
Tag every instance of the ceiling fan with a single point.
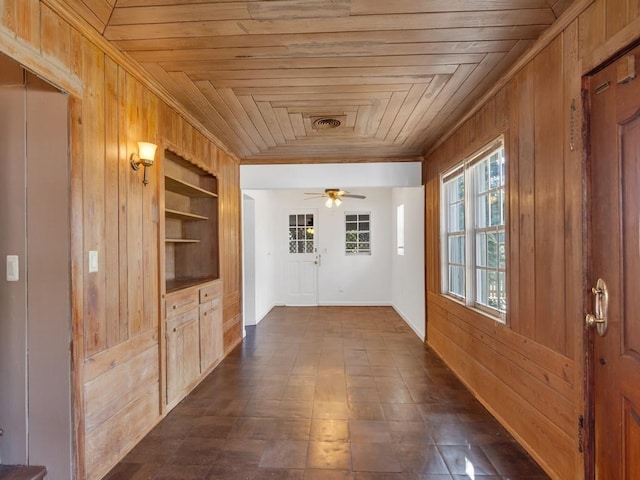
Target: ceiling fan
<point x="334" y="196"/>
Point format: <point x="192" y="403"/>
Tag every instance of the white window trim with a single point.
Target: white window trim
<point x="400" y="227"/>
<point x="470" y="194"/>
<point x="344" y="237"/>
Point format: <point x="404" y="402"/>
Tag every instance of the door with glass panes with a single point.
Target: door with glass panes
<point x="302" y="260"/>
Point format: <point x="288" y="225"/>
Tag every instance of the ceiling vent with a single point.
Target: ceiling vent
<point x="326" y="123"/>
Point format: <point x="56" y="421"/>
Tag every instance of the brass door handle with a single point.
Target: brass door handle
<point x="599" y="318"/>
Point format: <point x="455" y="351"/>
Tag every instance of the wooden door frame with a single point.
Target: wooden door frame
<point x="588" y="439"/>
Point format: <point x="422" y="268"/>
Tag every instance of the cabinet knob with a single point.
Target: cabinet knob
<point x="205" y="314"/>
<point x="175" y="329"/>
<point x="174" y="307"/>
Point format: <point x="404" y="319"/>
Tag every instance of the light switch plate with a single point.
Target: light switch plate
<point x="93" y="261"/>
<point x="13" y="268"/>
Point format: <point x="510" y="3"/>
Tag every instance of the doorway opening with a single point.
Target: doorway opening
<point x="35" y="293"/>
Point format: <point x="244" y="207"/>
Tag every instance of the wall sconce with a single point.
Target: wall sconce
<point x="145" y="157"/>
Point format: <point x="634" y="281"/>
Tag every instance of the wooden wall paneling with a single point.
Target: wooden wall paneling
<point x="512" y="149"/>
<point x="551" y="361"/>
<point x="503" y="108"/>
<point x="592" y="26"/>
<point x="617" y="15"/>
<point x="28" y="21"/>
<point x="135" y="219"/>
<point x="117" y="435"/>
<point x="515" y="353"/>
<point x="9" y="14"/>
<point x="549" y="197"/>
<point x="575" y="284"/>
<point x="93" y="118"/>
<point x="432" y="189"/>
<point x="536" y="392"/>
<point x="573" y="201"/>
<point x="115" y="334"/>
<point x="102" y="363"/>
<point x="55" y="37"/>
<point x="526" y="199"/>
<point x="151" y="240"/>
<point x="114" y="389"/>
<point x="123" y="200"/>
<point x="77" y="283"/>
<point x="548" y="444"/>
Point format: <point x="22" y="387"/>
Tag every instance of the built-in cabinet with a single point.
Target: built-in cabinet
<point x="193" y="328"/>
<point x="193" y="322"/>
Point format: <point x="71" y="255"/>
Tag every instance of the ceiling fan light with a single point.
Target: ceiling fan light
<point x="328" y="203"/>
<point x="338" y="202"/>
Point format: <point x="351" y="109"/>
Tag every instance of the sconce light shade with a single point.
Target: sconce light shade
<point x="145" y="157"/>
<point x="147" y="152"/>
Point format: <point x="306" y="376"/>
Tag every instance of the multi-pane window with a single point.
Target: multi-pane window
<point x="357" y="233"/>
<point x="453" y="189"/>
<point x="473" y="230"/>
<point x="301" y="231"/>
<point x="490" y="261"/>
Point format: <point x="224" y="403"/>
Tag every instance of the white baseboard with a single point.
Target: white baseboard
<point x="355" y="304"/>
<point x="408" y="322"/>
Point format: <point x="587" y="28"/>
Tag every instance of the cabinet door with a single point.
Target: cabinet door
<point x="210" y="334"/>
<point x="183" y="354"/>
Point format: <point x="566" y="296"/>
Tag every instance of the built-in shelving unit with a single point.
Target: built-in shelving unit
<point x="178" y="215"/>
<point x="181" y="240"/>
<point x="191" y="223"/>
<point x="176" y="185"/>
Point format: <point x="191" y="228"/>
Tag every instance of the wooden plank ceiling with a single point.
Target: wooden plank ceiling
<point x="257" y="74"/>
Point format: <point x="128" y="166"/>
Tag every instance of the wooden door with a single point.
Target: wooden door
<point x="614" y="232"/>
<point x="302" y="258"/>
<point x="183" y="354"/>
<point x="210" y="334"/>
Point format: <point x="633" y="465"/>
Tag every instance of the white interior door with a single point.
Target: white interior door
<point x="301" y="269"/>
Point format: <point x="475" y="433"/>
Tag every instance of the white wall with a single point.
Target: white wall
<point x="407" y="271"/>
<point x="344" y="279"/>
<point x="332" y="175"/>
<point x="383" y="278"/>
<point x="265" y="268"/>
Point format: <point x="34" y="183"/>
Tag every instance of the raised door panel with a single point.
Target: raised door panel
<point x="210" y="334"/>
<point x="183" y="354"/>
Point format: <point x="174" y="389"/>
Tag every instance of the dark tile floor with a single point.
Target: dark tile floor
<point x="329" y="393"/>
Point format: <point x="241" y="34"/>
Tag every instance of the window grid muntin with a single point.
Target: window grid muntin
<point x="301" y="233"/>
<point x="488" y="175"/>
<point x="478" y="294"/>
<point x="357" y="233"/>
<point x="454" y="226"/>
